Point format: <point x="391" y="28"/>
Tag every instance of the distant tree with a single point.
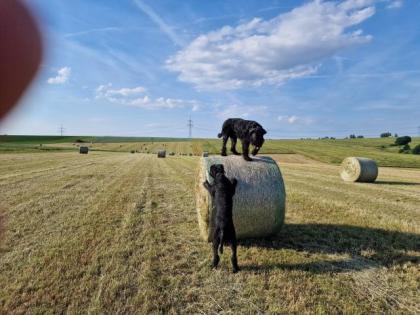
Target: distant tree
<point x="332" y="138"/>
<point x="396" y="135"/>
<point x="403" y="140"/>
<point x="386" y="134"/>
<point x="353" y="136"/>
<point x="360" y="137"/>
<point x="416" y="149"/>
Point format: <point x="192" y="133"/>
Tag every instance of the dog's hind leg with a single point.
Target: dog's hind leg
<point x="234" y="258"/>
<point x="233" y="145"/>
<point x="215" y="250"/>
<point x="225" y="139"/>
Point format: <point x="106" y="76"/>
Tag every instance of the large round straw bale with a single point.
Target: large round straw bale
<point x="83" y="150"/>
<point x="259" y="201"/>
<point x="358" y="169"/>
<point x="161" y="154"/>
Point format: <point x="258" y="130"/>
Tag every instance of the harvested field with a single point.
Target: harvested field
<point x="118" y="233"/>
<point x="177" y="147"/>
<point x="382" y="150"/>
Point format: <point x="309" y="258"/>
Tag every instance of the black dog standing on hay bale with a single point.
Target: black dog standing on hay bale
<point x="248" y="131"/>
<point x="222" y="191"/>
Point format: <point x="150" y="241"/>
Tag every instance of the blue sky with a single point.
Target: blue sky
<point x="300" y="68"/>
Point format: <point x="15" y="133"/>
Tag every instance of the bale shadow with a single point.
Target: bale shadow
<point x="388" y="248"/>
<point x="386" y="182"/>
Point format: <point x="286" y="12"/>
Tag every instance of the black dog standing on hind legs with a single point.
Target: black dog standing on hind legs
<point x="222" y="191"/>
<point x="248" y="131"/>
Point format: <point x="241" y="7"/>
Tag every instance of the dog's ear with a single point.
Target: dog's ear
<point x="213" y="171"/>
<point x="221" y="168"/>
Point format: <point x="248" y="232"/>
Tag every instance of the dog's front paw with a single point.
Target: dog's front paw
<point x="235" y="269"/>
<point x="223" y="153"/>
<point x="247" y="158"/>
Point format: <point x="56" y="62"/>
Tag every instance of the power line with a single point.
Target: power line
<point x="61" y="130"/>
<point x="190" y="125"/>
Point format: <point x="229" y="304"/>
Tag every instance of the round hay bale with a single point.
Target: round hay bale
<point x="161" y="154"/>
<point x="205" y="154"/>
<point x="83" y="150"/>
<point x="259" y="201"/>
<point x="358" y="169"/>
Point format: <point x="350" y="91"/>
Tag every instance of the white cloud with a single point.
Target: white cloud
<point x="107" y="91"/>
<point x="396" y="4"/>
<point x="295" y="119"/>
<point x="195" y="107"/>
<point x="62" y="76"/>
<point x="136" y="97"/>
<point x="241" y="111"/>
<point x="259" y="52"/>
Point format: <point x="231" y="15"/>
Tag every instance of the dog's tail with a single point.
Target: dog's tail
<point x="221" y="242"/>
<point x="219" y="135"/>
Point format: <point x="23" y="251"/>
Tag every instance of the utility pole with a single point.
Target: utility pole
<point x="61" y="130"/>
<point x="190" y="125"/>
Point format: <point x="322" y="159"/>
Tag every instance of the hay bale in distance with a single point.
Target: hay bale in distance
<point x="359" y="169"/>
<point x="205" y="154"/>
<point x="259" y="201"/>
<point x="161" y="154"/>
<point x="83" y="150"/>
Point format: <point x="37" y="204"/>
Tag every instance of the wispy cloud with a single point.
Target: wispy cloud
<point x="395" y="4"/>
<point x="271" y="52"/>
<point x="93" y="30"/>
<point x="165" y="28"/>
<point x="105" y="90"/>
<point x="351" y="75"/>
<point x="293" y="119"/>
<point x="137" y="97"/>
<point x="62" y="76"/>
<point x="237" y="110"/>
